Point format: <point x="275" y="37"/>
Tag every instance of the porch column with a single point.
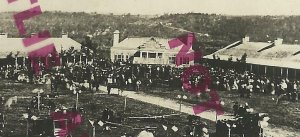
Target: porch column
<point x="80" y="58"/>
<point x="16" y="62"/>
<point x="86" y="59"/>
<point x="60" y="59"/>
<point x="265" y="70"/>
<point x="24" y="60"/>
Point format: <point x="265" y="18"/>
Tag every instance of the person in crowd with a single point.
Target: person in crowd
<point x="235" y="108"/>
<point x="86" y="85"/>
<point x="136" y="77"/>
<point x="145" y="133"/>
<point x="297" y="90"/>
<point x="109" y="83"/>
<point x="249" y="90"/>
<point x="283" y="86"/>
<point x="138" y="84"/>
<point x="129" y="83"/>
<point x="241" y="110"/>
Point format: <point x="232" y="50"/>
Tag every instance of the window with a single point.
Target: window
<point x="159" y="55"/>
<point x="144" y="54"/>
<point x="185" y="60"/>
<point x="137" y="54"/>
<point x="172" y="60"/>
<point x="119" y="57"/>
<point x="152" y="55"/>
<point x="116" y="56"/>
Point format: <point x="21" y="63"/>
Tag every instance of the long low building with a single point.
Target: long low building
<point x="273" y="58"/>
<point x="16" y="46"/>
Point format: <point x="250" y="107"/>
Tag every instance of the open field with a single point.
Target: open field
<point x="16" y="125"/>
<point x="283" y="115"/>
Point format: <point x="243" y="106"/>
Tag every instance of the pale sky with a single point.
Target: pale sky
<point x="227" y="7"/>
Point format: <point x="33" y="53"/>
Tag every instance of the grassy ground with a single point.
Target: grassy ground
<point x="284" y="114"/>
<point x="16" y="125"/>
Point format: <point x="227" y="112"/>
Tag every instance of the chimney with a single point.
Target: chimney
<point x="32" y="34"/>
<point x="278" y="41"/>
<point x="3" y="35"/>
<point x="116" y="37"/>
<point x="246" y="39"/>
<point x="64" y="35"/>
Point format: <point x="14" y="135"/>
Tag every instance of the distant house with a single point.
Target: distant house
<point x="265" y="58"/>
<point x="146" y="50"/>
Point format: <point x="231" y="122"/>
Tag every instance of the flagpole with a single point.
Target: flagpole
<point x="125" y="103"/>
<point x="76" y="100"/>
<point x="16" y="62"/>
<point x="94" y="132"/>
<point x="27" y="127"/>
<point x="38" y="100"/>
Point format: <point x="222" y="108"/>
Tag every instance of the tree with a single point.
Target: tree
<point x="244" y="57"/>
<point x="9" y="59"/>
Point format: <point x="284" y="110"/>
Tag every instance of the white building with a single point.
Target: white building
<point x="267" y="58"/>
<point x="15" y="45"/>
<point x="146" y="50"/>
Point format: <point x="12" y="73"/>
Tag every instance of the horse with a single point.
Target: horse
<point x="10" y="101"/>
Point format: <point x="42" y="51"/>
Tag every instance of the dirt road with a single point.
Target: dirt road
<point x="271" y="131"/>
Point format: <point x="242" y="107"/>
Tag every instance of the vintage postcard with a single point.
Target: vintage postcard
<point x="149" y="68"/>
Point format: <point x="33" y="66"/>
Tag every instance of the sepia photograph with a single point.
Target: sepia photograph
<point x="149" y="68"/>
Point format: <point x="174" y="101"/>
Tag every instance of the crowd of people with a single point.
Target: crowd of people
<point x="88" y="76"/>
<point x="248" y="83"/>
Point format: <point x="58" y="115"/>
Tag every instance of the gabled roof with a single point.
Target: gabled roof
<point x="15" y="45"/>
<point x="146" y="44"/>
<point x="262" y="53"/>
<point x="250" y="48"/>
<point x="280" y="52"/>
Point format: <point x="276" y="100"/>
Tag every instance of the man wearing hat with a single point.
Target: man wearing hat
<point x="146" y="132"/>
<point x="109" y="83"/>
<point x="235" y="108"/>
